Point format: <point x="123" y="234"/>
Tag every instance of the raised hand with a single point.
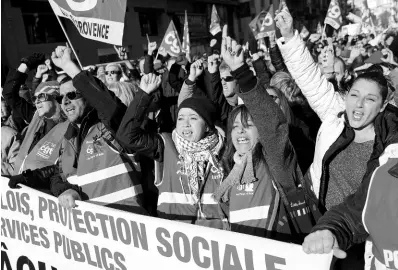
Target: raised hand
<point x="231" y="51"/>
<point x="321" y="242"/>
<point x="196" y="70"/>
<point x="284" y="21"/>
<point x="34" y="60"/>
<point x="213" y="62"/>
<point x="151" y="47"/>
<point x="121" y="52"/>
<point x="150" y="82"/>
<point x="41" y="69"/>
<point x="61" y="56"/>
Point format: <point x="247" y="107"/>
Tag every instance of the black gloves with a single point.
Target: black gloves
<point x="17" y="179"/>
<point x="34" y="60"/>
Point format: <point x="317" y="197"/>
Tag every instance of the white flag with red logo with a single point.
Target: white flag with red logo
<point x="263" y="24"/>
<point x="334" y="17"/>
<point x="215" y="26"/>
<point x="94" y="19"/>
<point x="171" y="42"/>
<point x="186" y="44"/>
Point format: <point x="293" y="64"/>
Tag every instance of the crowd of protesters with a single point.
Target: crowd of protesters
<point x="295" y="141"/>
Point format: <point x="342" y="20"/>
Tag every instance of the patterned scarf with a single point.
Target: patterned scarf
<point x="193" y="157"/>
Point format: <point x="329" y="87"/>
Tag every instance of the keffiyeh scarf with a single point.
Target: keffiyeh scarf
<point x="193" y="157"/>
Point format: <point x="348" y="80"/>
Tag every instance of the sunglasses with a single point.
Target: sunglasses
<point x="228" y="79"/>
<point x="41" y="98"/>
<point x="112" y="72"/>
<point x="70" y="95"/>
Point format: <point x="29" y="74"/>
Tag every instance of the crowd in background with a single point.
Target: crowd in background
<point x="295" y="140"/>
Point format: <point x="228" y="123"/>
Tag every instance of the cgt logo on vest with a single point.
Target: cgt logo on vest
<point x="46" y="150"/>
<point x="94" y="149"/>
<point x="247" y="188"/>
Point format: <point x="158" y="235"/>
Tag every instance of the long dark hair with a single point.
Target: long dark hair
<point x="228" y="156"/>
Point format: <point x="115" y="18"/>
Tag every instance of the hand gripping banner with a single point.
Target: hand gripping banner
<point x="94" y="19"/>
<point x="37" y="233"/>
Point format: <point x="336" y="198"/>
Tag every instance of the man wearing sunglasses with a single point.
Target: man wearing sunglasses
<point x="42" y="141"/>
<point x="92" y="165"/>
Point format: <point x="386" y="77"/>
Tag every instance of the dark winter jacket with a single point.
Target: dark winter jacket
<point x="281" y="159"/>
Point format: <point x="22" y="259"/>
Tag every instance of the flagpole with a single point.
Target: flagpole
<point x="324" y="30"/>
<point x="70" y="43"/>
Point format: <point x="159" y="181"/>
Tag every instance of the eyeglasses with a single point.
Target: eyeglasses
<point x="71" y="95"/>
<point x="228" y="79"/>
<point x="41" y="98"/>
<point x="112" y="72"/>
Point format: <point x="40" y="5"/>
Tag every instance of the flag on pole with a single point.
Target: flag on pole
<point x="171" y="43"/>
<point x="98" y="20"/>
<point x="334" y="17"/>
<point x="367" y="22"/>
<point x="304" y="32"/>
<point x="283" y="7"/>
<point x="263" y="24"/>
<point x="186" y="44"/>
<point x="319" y="28"/>
<point x="215" y="26"/>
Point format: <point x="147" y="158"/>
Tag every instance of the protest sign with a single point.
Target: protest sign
<point x="334" y="17"/>
<point x="353" y="29"/>
<point x="98" y="20"/>
<point x="38" y="232"/>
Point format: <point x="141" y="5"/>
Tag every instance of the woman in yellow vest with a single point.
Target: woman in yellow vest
<point x="189" y="171"/>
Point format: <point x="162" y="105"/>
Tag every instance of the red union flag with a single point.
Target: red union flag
<point x="333" y="17"/>
<point x="171" y="43"/>
<point x="215" y="26"/>
<point x="263" y="24"/>
<point x="186" y="44"/>
<point x="94" y="19"/>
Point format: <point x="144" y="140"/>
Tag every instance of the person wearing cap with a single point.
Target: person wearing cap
<point x="187" y="169"/>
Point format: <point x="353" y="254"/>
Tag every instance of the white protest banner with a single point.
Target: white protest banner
<point x="36" y="231"/>
<point x="353" y="29"/>
<point x="94" y="19"/>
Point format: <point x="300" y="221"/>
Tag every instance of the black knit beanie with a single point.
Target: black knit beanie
<point x="203" y="106"/>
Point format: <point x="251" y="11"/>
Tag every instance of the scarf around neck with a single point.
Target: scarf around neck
<point x="193" y="157"/>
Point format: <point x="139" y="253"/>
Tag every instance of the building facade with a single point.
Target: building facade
<point x="30" y="26"/>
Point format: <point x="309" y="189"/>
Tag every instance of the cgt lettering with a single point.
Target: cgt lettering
<point x="207" y="254"/>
